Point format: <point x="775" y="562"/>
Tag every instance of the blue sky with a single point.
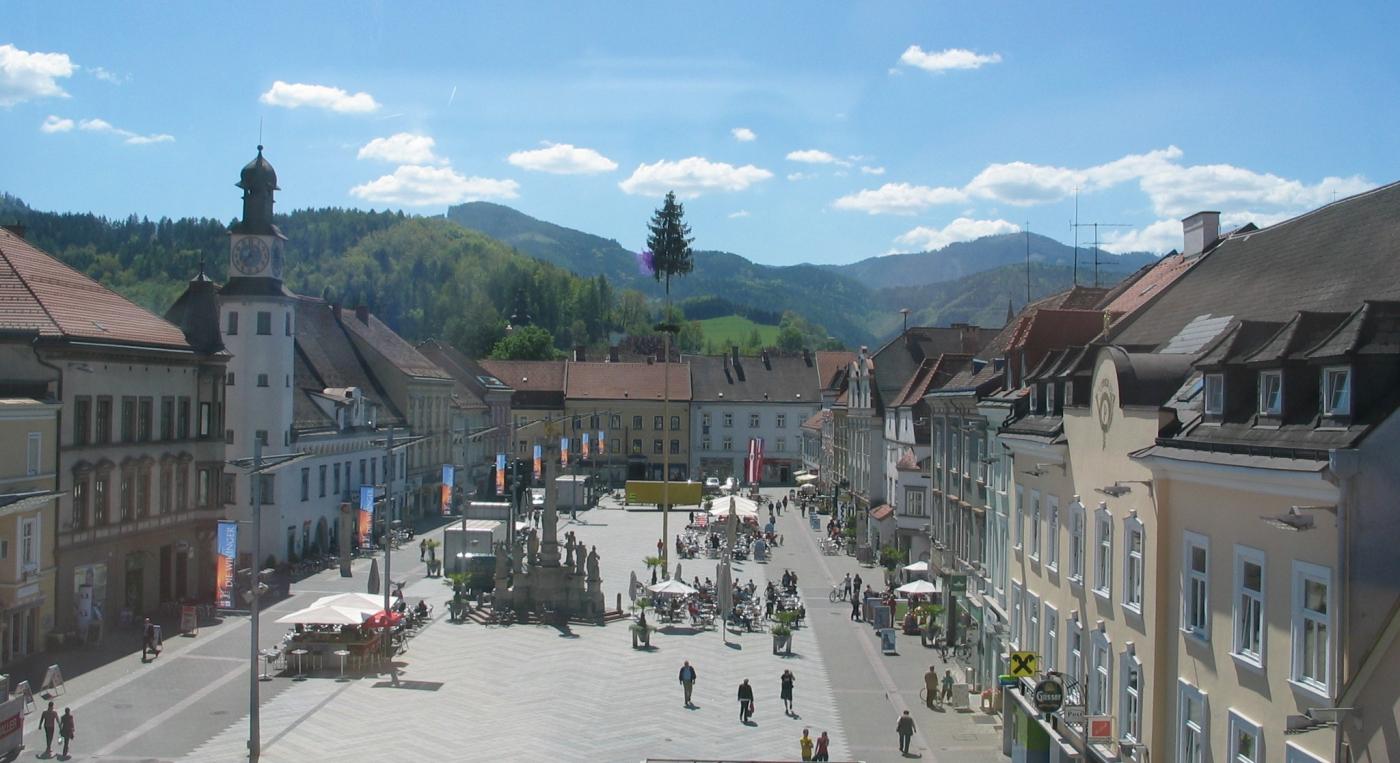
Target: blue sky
<point x="818" y="132"/>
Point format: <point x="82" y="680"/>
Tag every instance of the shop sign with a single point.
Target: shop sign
<point x="1099" y="729"/>
<point x="1049" y="696"/>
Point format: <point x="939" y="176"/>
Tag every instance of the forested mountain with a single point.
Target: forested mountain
<point x="964" y="258"/>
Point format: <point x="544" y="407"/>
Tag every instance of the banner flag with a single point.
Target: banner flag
<point x="226" y="555"/>
<point x="449" y="476"/>
<point x="366" y="514"/>
<point x="539" y="462"/>
<point x="564" y="452"/>
<point x="500" y="474"/>
<point x="602" y="443"/>
<point x="584" y="452"/>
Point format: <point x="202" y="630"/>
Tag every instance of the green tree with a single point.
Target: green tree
<point x="669" y="240"/>
<point x="790" y="338"/>
<point x="754" y="343"/>
<point x="525" y="343"/>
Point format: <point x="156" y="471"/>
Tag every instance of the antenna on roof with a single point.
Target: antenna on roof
<point x="1075" y="226"/>
<point x="260" y="121"/>
<point x="1096" y="227"/>
<point x="1028" y="262"/>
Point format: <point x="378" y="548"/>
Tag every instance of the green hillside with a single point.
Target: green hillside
<point x="734" y="330"/>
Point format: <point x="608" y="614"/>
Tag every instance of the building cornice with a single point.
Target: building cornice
<point x="1310" y="485"/>
<point x="1053" y="453"/>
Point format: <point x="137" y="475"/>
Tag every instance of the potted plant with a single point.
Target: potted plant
<point x="641" y="629"/>
<point x="434" y="564"/>
<point x="891" y="557"/>
<point x="782" y="632"/>
<point x="459" y="582"/>
<point x="928" y="615"/>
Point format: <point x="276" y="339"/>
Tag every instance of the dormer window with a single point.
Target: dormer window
<point x="1336" y="391"/>
<point x="1069" y="394"/>
<point x="1270" y="393"/>
<point x="1035" y="399"/>
<point x="1050" y="399"/>
<point x="1215" y="394"/>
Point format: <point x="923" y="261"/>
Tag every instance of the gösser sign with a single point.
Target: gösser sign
<point x="1048" y="696"/>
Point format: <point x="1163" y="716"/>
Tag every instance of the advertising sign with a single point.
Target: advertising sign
<point x="602" y="443"/>
<point x="11" y="725"/>
<point x="1049" y="696"/>
<point x="1024" y="664"/>
<point x="449" y="476"/>
<point x="539" y="462"/>
<point x="366" y="513"/>
<point x="225" y="557"/>
<point x="500" y="474"/>
<point x="564" y="452"/>
<point x="583" y="452"/>
<point x="1099" y="729"/>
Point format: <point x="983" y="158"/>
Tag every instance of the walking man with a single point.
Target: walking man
<point x="947" y="686"/>
<point x="148" y="640"/>
<point x="905" y="729"/>
<point x="855" y="610"/>
<point x="66" y="730"/>
<point x="930" y="686"/>
<point x="745" y="701"/>
<point x="422" y="549"/>
<point x="687" y="680"/>
<point x="805" y="744"/>
<point x="785" y="693"/>
<point x="48" y="721"/>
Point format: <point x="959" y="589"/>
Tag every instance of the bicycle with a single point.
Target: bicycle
<point x="838" y="593"/>
<point x="963" y="651"/>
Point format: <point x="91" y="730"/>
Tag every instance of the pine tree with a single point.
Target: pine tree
<point x="669" y="240"/>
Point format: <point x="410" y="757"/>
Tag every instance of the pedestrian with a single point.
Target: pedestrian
<point x="805" y="743"/>
<point x="855" y="585"/>
<point x="786" y="694"/>
<point x="855" y="610"/>
<point x="947" y="686"/>
<point x="687" y="680"/>
<point x="930" y="686"/>
<point x="422" y="549"/>
<point x="745" y="701"/>
<point x="905" y="729"/>
<point x="66" y="730"/>
<point x="803" y="508"/>
<point x="148" y="640"/>
<point x="48" y="721"/>
<point x="846" y="586"/>
<point x="823" y="747"/>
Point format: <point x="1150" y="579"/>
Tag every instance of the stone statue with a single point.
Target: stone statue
<point x="519" y="555"/>
<point x="501" y="570"/>
<point x="593" y="564"/>
<point x="578" y="570"/>
<point x="569" y="554"/>
<point x="534" y="546"/>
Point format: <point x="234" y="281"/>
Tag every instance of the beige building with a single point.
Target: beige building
<point x="644" y="434"/>
<point x="28" y="494"/>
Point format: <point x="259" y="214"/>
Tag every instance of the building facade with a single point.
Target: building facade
<point x="645" y="436"/>
<point x="736" y="399"/>
<point x="28" y="494"/>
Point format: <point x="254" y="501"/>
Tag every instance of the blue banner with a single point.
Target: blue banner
<point x="449" y="475"/>
<point x="226" y="556"/>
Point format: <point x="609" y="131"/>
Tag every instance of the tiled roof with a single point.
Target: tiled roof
<point x="900" y="357"/>
<point x="1156" y="278"/>
<point x="385" y="341"/>
<point x="326" y="357"/>
<point x="39" y="293"/>
<point x="817" y="420"/>
<point x="1374" y="329"/>
<point x="626" y="381"/>
<point x="932" y="373"/>
<point x="471" y="378"/>
<point x="881" y="512"/>
<point x="528" y="375"/>
<point x="782" y="379"/>
<point x="1328" y="260"/>
<point x="830" y="364"/>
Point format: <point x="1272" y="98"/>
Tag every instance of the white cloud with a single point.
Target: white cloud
<point x="1160" y="236"/>
<point x="815" y="156"/>
<point x="739" y="214"/>
<point x="923" y="238"/>
<point x="415" y="186"/>
<point x="744" y="134"/>
<point x="872" y="170"/>
<point x="691" y="177"/>
<point x="899" y="199"/>
<point x="795" y="176"/>
<point x="25" y="75"/>
<point x="1179" y="191"/>
<point x="562" y="159"/>
<point x="108" y="76"/>
<point x="56" y="124"/>
<point x="945" y="60"/>
<point x="295" y="95"/>
<point x="401" y="148"/>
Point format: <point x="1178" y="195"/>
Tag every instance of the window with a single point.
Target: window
<point x="1035" y="525"/>
<point x="1248" y="643"/>
<point x="1292" y="753"/>
<point x="182" y="421"/>
<point x="1034" y="401"/>
<point x="287" y="324"/>
<point x="1130" y="707"/>
<point x="1100" y="674"/>
<point x="753" y="421"/>
<point x="128" y="419"/>
<point x="1336" y="391"/>
<point x="1074" y="659"/>
<point x="705" y="420"/>
<point x="1246" y="740"/>
<point x="729" y="443"/>
<point x="33" y="453"/>
<point x="264" y="323"/>
<point x="1052" y="532"/>
<point x="82" y="420"/>
<point x="656" y="423"/>
<point x="636" y="422"/>
<point x="80" y="503"/>
<point x="206" y="419"/>
<point x="1191" y="735"/>
<point x="232" y="324"/>
<point x="145" y="413"/>
<point x="229" y="379"/>
<point x="322" y="472"/>
<point x="143" y="491"/>
<point x="1103" y="552"/>
<point x="101" y="497"/>
<point x="914" y="502"/>
<point x="1049" y="657"/>
<point x="675" y="447"/>
<point x="675" y="423"/>
<point x="362" y="472"/>
<point x="1076" y="542"/>
<point x="1032" y="622"/>
<point x="729" y="419"/>
<point x="1195" y="588"/>
<point x="167" y="418"/>
<point x="260" y="436"/>
<point x="1050" y="400"/>
<point x="182" y="487"/>
<point x="1270" y="393"/>
<point x="202" y="489"/>
<point x="1016" y="596"/>
<point x="229" y="491"/>
<point x="781" y="422"/>
<point x="1020" y="517"/>
<point x="1133" y="568"/>
<point x="335" y="483"/>
<point x="615" y="422"/>
<point x="305" y="483"/>
<point x="103" y="427"/>
<point x="705" y="443"/>
<point x="782" y="445"/>
<point x="167" y="488"/>
<point x="1312" y="626"/>
<point x="1215" y="394"/>
<point x="262" y="380"/>
<point x="637" y="445"/>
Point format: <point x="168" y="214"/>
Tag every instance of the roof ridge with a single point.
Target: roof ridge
<point x="25" y="282"/>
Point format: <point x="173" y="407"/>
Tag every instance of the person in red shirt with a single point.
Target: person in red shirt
<point x="823" y="747"/>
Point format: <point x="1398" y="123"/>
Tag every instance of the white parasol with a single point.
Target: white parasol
<point x="671" y="588"/>
<point x="327" y="616"/>
<point x="916" y="567"/>
<point x="351" y="600"/>
<point x="921" y="587"/>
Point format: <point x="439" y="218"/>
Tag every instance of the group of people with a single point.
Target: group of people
<point x="809" y="746"/>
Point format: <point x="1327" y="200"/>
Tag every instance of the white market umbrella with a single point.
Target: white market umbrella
<point x="671" y="588"/>
<point x="742" y="507"/>
<point x="351" y="600"/>
<point x="327" y="616"/>
<point x="804" y="479"/>
<point x="921" y="587"/>
<point x="916" y="567"/>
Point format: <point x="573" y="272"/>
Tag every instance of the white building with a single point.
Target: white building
<point x="736" y="399"/>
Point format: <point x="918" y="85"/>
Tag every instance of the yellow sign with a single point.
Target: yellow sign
<point x="1024" y="664"/>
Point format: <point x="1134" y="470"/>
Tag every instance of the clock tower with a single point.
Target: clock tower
<point x="255" y="244"/>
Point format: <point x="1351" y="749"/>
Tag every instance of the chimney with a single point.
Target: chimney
<point x="766" y="364"/>
<point x="612" y="354"/>
<point x="807" y="357"/>
<point x="1200" y="230"/>
<point x="362" y="314"/>
<point x="579" y="356"/>
<point x="16" y="228"/>
<point x="734" y="353"/>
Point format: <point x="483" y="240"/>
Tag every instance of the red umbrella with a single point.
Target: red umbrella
<point x="381" y="618"/>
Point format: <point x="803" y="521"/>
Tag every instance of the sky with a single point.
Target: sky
<point x="793" y="132"/>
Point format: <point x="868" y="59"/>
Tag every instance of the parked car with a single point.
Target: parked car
<point x="712" y="484"/>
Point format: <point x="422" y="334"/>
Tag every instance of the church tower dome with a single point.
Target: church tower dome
<point x="258" y="180"/>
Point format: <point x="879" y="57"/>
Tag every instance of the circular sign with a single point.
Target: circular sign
<point x="1048" y="696"/>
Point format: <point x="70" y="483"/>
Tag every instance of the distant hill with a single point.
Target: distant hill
<point x="967" y="257"/>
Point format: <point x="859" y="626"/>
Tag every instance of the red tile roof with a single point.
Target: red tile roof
<point x="816" y="420"/>
<point x="830" y="363"/>
<point x="883" y="511"/>
<point x="528" y="375"/>
<point x="1150" y="284"/>
<point x="39" y="293"/>
<point x="626" y="381"/>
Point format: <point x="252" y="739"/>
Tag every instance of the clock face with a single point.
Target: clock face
<point x="250" y="255"/>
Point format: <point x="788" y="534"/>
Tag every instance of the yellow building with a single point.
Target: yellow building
<point x="645" y="436"/>
<point x="28" y="489"/>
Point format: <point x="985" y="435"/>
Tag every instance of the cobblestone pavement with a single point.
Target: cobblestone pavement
<point x="473" y="692"/>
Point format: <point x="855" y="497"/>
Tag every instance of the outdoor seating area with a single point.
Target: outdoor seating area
<point x="343" y="632"/>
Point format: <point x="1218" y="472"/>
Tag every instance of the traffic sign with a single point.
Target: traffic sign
<point x="1048" y="696"/>
<point x="1024" y="664"/>
<point x="1006" y="681"/>
<point x="1099" y="729"/>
